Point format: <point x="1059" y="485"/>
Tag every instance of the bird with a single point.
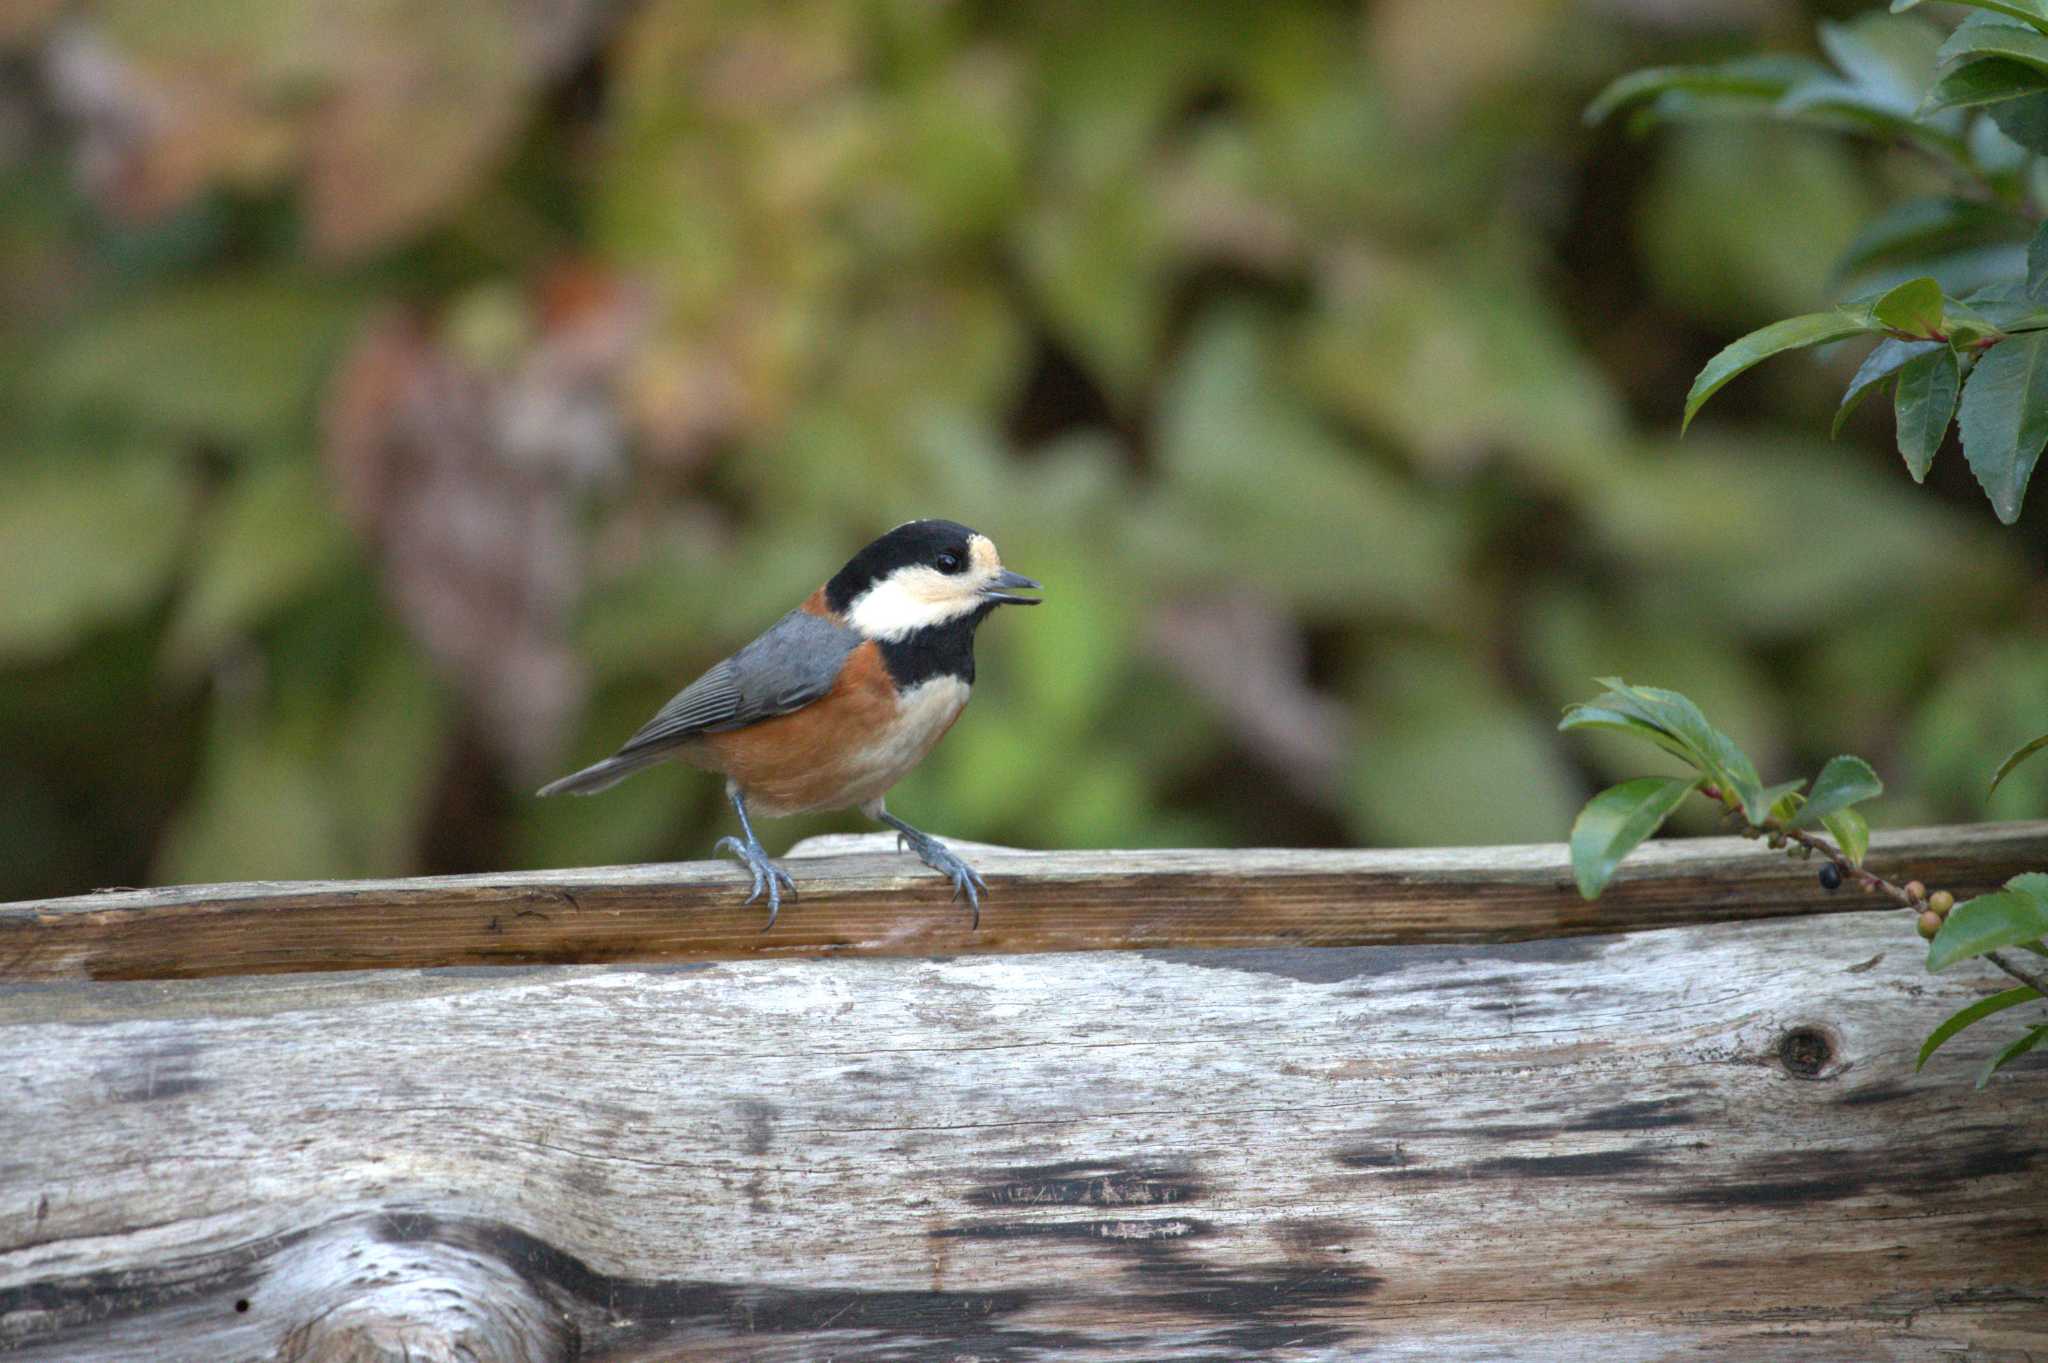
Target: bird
<point x="839" y="699"/>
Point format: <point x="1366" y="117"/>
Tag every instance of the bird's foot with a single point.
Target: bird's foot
<point x="767" y="875"/>
<point x="940" y="858"/>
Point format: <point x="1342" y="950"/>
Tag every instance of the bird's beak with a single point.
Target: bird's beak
<point x="1002" y="584"/>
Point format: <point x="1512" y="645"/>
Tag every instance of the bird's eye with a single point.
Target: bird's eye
<point x="949" y="562"/>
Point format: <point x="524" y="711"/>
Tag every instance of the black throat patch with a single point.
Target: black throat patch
<point x="936" y="651"/>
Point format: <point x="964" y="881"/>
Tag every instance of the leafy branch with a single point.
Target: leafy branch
<point x="1805" y="820"/>
<point x="1976" y="101"/>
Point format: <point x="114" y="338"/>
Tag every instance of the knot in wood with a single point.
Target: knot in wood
<point x="1806" y="1052"/>
<point x="361" y="1300"/>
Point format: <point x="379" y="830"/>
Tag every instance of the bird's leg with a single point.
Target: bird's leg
<point x="767" y="875"/>
<point x="936" y="855"/>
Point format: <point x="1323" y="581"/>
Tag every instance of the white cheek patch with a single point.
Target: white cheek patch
<point x="915" y="598"/>
<point x="911" y="599"/>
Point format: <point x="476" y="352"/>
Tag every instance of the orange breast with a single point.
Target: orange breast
<point x="847" y="747"/>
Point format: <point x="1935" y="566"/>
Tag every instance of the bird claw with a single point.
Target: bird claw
<point x="767" y="875"/>
<point x="936" y="855"/>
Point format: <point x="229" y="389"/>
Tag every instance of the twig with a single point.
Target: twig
<point x="1849" y="870"/>
<point x="2019" y="972"/>
<point x="1873" y="881"/>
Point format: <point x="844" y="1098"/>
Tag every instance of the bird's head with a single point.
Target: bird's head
<point x="922" y="575"/>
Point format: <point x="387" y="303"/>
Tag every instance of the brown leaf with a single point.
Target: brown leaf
<point x="395" y="113"/>
<point x="465" y="480"/>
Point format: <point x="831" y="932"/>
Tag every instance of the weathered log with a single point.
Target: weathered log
<point x="1693" y="1143"/>
<point x="882" y="903"/>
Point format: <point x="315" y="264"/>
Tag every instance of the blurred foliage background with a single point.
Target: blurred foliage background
<point x="398" y="402"/>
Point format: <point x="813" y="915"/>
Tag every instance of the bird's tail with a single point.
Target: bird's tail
<point x="600" y="776"/>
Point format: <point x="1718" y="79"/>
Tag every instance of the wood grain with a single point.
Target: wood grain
<point x="876" y="902"/>
<point x="1695" y="1143"/>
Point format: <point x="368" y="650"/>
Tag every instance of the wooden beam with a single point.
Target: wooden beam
<point x="1698" y="1143"/>
<point x="876" y="902"/>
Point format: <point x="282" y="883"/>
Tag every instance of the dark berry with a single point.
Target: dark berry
<point x="1830" y="877"/>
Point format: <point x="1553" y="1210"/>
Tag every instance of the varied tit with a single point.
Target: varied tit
<point x="840" y="698"/>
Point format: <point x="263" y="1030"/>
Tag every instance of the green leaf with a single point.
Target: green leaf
<point x="1792" y="333"/>
<point x="2037" y="263"/>
<point x="2024" y="121"/>
<point x="1975" y="1012"/>
<point x="1840" y="106"/>
<point x="1973" y="43"/>
<point x="275" y="533"/>
<point x="1715" y="754"/>
<point x="1761" y="78"/>
<point x="263" y="805"/>
<point x="1594" y="717"/>
<point x="1914" y="307"/>
<point x="2002" y="161"/>
<point x="1991" y="82"/>
<point x="2013" y="759"/>
<point x="2004" y="419"/>
<point x="1844" y="781"/>
<point x="2004" y="307"/>
<point x="1616" y="820"/>
<point x="2002" y="918"/>
<point x="1885" y="359"/>
<point x="1924" y="405"/>
<point x="1312" y="499"/>
<point x="2034" y="883"/>
<point x="85" y="542"/>
<point x="1887" y="64"/>
<point x="1851" y="832"/>
<point x="2034" y="12"/>
<point x="237" y="359"/>
<point x="1782" y="800"/>
<point x="1094" y="266"/>
<point x="1891" y="60"/>
<point x="1920" y="229"/>
<point x="1614" y="710"/>
<point x="1969" y="330"/>
<point x="2018" y="1048"/>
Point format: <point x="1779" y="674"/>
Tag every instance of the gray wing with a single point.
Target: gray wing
<point x="785" y="669"/>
